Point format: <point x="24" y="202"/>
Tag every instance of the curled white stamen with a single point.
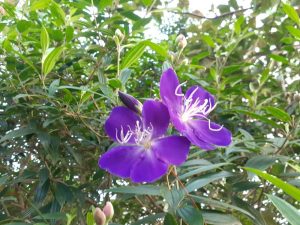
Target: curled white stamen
<point x="121" y="138"/>
<point x="209" y="124"/>
<point x="177" y="88"/>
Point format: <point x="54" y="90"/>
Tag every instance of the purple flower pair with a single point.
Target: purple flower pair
<point x="144" y="152"/>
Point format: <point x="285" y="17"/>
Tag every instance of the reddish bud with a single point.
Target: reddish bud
<point x="108" y="211"/>
<point x="99" y="217"/>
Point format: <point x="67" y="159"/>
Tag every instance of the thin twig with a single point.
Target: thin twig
<point x="210" y="18"/>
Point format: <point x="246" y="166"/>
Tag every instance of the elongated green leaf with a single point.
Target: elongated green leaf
<point x="219" y="204"/>
<point x="286" y="209"/>
<point x="287" y="188"/>
<point x="169" y="220"/>
<point x="259" y="117"/>
<point x="278" y="113"/>
<point x="157" y="48"/>
<point x="37" y="4"/>
<point x="50" y="59"/>
<point x="256" y="215"/>
<point x="191" y="215"/>
<point x="18" y="133"/>
<point x="206" y="179"/>
<point x="291" y="12"/>
<point x="133" y="55"/>
<point x="138" y="190"/>
<point x="279" y="58"/>
<point x="202" y="169"/>
<point x="294" y="31"/>
<point x="52" y="216"/>
<point x="44" y="39"/>
<point x="220" y="218"/>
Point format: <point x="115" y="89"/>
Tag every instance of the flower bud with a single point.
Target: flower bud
<point x="131" y="102"/>
<point x="99" y="217"/>
<point x="108" y="211"/>
<point x="181" y="40"/>
<point x="119" y="34"/>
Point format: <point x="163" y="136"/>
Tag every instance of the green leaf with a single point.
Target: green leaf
<point x="256" y="215"/>
<point x="291" y="12"/>
<point x="208" y="40"/>
<point x="287" y="188"/>
<point x="259" y="117"/>
<point x="220" y="218"/>
<point x="279" y="58"/>
<point x="50" y="59"/>
<point x="90" y="218"/>
<point x="57" y="11"/>
<point x="138" y="190"/>
<point x="133" y="55"/>
<point x="23" y="25"/>
<point x="22" y="131"/>
<point x="206" y="179"/>
<point x="202" y="169"/>
<point x="147" y="2"/>
<point x="219" y="204"/>
<point x="38" y="4"/>
<point x="294" y="31"/>
<point x="169" y="220"/>
<point x="63" y="193"/>
<point x="69" y="33"/>
<point x="105" y="3"/>
<point x="237" y="24"/>
<point x="157" y="48"/>
<point x="124" y="75"/>
<point x="287" y="210"/>
<point x="278" y="113"/>
<point x="191" y="215"/>
<point x="44" y="40"/>
<point x="261" y="162"/>
<point x="52" y="216"/>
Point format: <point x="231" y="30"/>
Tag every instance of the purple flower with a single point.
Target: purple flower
<point x="189" y="113"/>
<point x="143" y="153"/>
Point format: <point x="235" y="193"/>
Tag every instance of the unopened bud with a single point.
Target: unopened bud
<point x="108" y="211"/>
<point x="131" y="102"/>
<point x="181" y="40"/>
<point x="119" y="34"/>
<point x="99" y="217"/>
<point x="2" y="11"/>
<point x="172" y="56"/>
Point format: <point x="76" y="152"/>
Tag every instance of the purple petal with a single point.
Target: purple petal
<point x="191" y="135"/>
<point x="121" y="118"/>
<point x="168" y="84"/>
<point x="120" y="160"/>
<point x="214" y="134"/>
<point x="149" y="169"/>
<point x="156" y="116"/>
<point x="197" y="93"/>
<point x="172" y="150"/>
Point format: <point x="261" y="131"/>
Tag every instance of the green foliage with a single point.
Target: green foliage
<point x="62" y="64"/>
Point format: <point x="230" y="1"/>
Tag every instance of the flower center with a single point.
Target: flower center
<point x="142" y="136"/>
<point x="192" y="107"/>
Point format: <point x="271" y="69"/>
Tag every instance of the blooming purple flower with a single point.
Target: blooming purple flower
<point x="143" y="153"/>
<point x="189" y="112"/>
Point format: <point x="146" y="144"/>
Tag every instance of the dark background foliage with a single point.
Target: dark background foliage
<point x="61" y="65"/>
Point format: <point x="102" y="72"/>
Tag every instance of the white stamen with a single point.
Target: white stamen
<point x="142" y="136"/>
<point x="192" y="107"/>
<point x="177" y="88"/>
<point x="123" y="139"/>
